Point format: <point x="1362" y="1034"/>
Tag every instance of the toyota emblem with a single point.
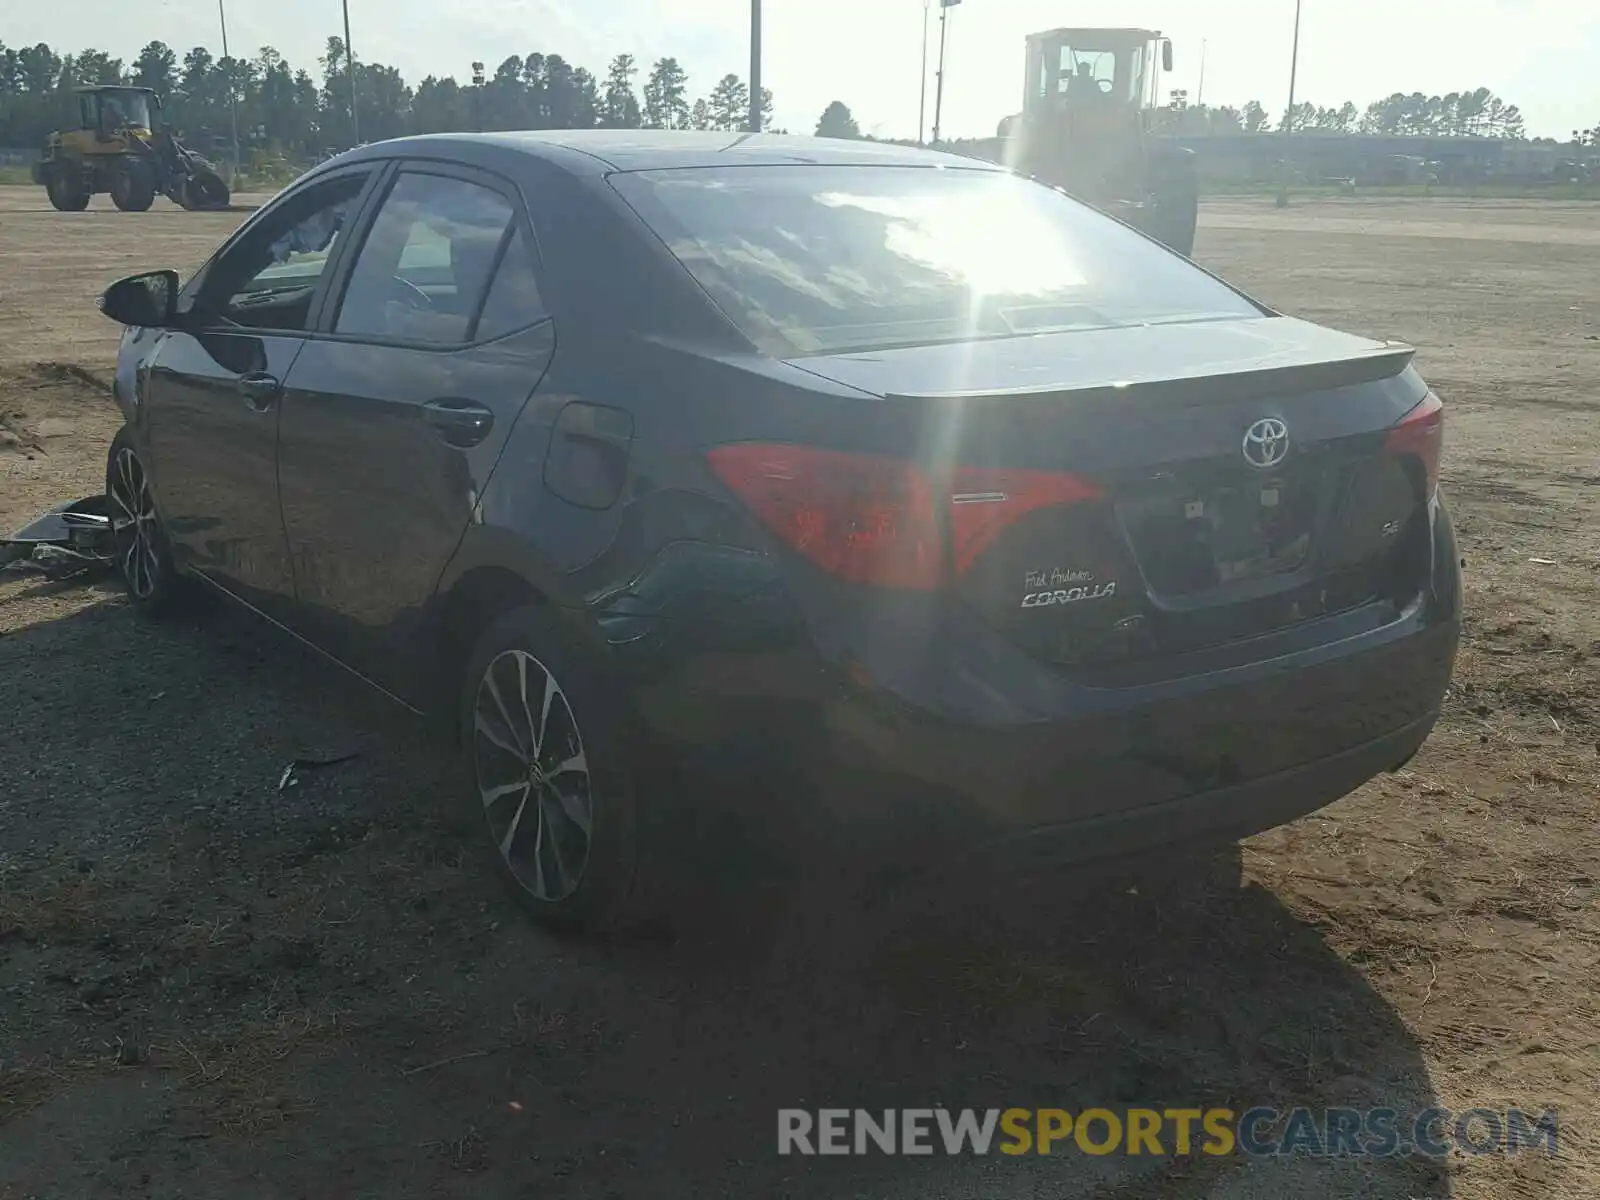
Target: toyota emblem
<point x="1266" y="443"/>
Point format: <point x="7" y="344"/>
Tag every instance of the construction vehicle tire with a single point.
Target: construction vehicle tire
<point x="65" y="186"/>
<point x="133" y="187"/>
<point x="1175" y="190"/>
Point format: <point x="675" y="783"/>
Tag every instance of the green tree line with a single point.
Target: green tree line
<point x="1475" y="113"/>
<point x="292" y="113"/>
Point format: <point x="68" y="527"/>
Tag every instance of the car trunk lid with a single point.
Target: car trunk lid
<point x="1234" y="480"/>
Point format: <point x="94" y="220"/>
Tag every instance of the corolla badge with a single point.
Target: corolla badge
<point x="1069" y="595"/>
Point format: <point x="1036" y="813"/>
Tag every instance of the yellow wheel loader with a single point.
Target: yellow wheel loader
<point x="1088" y="125"/>
<point x="117" y="149"/>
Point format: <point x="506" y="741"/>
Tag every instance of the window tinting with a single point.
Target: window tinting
<point x="425" y="265"/>
<point x="513" y="301"/>
<point x="820" y="259"/>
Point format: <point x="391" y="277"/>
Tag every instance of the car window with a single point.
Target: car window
<point x="513" y="301"/>
<point x="425" y="265"/>
<point x="269" y="279"/>
<point x="826" y="259"/>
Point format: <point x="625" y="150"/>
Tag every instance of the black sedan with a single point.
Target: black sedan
<point x="853" y="458"/>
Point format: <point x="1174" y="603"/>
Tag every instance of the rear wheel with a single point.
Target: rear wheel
<point x="133" y="188"/>
<point x="65" y="186"/>
<point x="140" y="544"/>
<point x="549" y="759"/>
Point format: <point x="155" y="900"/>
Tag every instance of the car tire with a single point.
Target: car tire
<point x="549" y="747"/>
<point x="140" y="545"/>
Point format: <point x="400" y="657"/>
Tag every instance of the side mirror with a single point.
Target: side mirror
<point x="149" y="300"/>
<point x="1166" y="54"/>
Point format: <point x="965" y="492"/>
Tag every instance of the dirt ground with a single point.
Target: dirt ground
<point x="209" y="986"/>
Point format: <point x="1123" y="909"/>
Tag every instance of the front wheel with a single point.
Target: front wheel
<point x="139" y="542"/>
<point x="1180" y="221"/>
<point x="549" y="756"/>
<point x="1175" y="193"/>
<point x="134" y="188"/>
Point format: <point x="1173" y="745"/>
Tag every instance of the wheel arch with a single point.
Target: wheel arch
<point x="492" y="573"/>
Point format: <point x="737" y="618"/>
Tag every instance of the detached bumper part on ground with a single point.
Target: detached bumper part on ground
<point x="65" y="540"/>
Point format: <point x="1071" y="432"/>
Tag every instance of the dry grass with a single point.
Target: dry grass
<point x="244" y="1083"/>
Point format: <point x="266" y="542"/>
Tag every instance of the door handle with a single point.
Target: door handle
<point x="461" y="423"/>
<point x="258" y="389"/>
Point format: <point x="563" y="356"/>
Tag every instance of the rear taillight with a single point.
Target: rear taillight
<point x="858" y="517"/>
<point x="878" y="520"/>
<point x="1420" y="435"/>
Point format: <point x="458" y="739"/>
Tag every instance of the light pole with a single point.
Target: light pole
<point x="233" y="94"/>
<point x="1200" y="96"/>
<point x="938" y="88"/>
<point x="755" y="67"/>
<point x="922" y="103"/>
<point x="350" y="68"/>
<point x="1288" y="117"/>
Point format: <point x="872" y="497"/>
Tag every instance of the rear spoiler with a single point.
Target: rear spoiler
<point x="1382" y="362"/>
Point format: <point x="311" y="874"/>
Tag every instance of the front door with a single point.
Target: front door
<point x="394" y="416"/>
<point x="214" y="387"/>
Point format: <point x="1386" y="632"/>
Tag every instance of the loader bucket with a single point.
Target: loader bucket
<point x="205" y="191"/>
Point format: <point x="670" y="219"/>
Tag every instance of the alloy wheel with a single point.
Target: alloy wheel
<point x="532" y="775"/>
<point x="133" y="525"/>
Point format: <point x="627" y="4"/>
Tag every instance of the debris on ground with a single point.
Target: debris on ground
<point x="312" y="760"/>
<point x="70" y="539"/>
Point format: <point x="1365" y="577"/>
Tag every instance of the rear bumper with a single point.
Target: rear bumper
<point x="922" y="725"/>
<point x="1222" y="813"/>
<point x="813" y="751"/>
<point x="1138" y="753"/>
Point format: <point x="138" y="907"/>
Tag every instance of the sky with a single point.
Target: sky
<point x="1537" y="54"/>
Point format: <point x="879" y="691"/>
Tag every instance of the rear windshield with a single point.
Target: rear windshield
<point x="825" y="259"/>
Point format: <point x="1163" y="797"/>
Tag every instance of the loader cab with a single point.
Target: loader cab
<point x="1088" y="127"/>
<point x="109" y="110"/>
<point x="1094" y="70"/>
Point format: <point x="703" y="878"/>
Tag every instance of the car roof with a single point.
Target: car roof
<point x="598" y="151"/>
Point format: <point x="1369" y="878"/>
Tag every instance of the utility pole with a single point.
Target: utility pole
<point x="922" y="103"/>
<point x="233" y="95"/>
<point x="755" y="66"/>
<point x="350" y="68"/>
<point x="1288" y="118"/>
<point x="938" y="88"/>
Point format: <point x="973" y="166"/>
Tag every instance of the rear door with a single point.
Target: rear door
<point x="394" y="417"/>
<point x="214" y="386"/>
